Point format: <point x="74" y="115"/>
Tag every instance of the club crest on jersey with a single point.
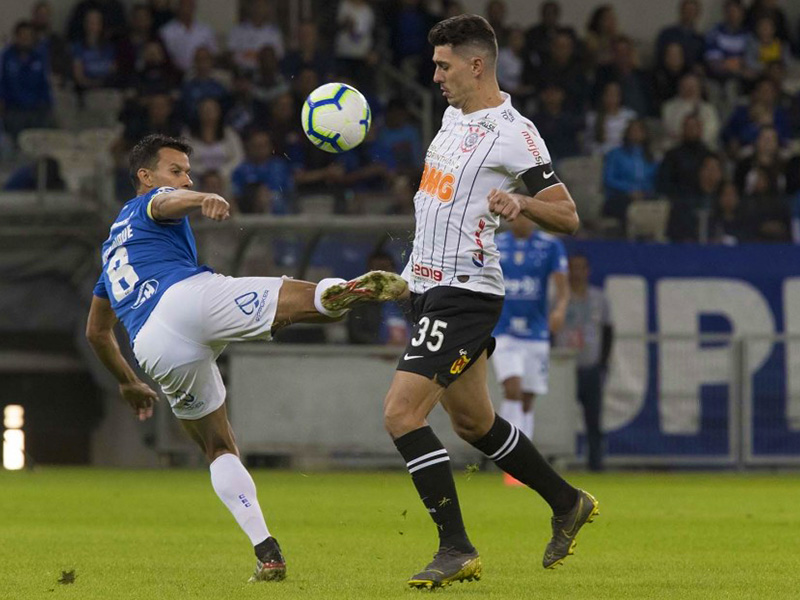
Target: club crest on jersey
<point x="460" y="363"/>
<point x="473" y="137"/>
<point x="146" y="291"/>
<point x="478" y="257"/>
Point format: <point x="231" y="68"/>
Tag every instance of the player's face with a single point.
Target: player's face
<point x="454" y="75"/>
<point x="172" y="170"/>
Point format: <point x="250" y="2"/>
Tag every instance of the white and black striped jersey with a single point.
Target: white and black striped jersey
<point x="472" y="153"/>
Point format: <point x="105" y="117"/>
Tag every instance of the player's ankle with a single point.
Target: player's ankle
<point x="321" y="287"/>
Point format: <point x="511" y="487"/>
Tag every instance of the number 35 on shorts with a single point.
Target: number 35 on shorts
<point x="434" y="332"/>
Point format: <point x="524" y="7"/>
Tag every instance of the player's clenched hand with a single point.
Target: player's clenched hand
<point x="216" y="207"/>
<point x="141" y="398"/>
<point x="504" y="204"/>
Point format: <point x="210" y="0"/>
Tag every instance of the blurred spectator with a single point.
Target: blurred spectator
<point x="539" y="38"/>
<point x="514" y="70"/>
<point x="284" y="126"/>
<point x="760" y="9"/>
<point x="726" y="44"/>
<point x="26" y="177"/>
<point x="162" y="13"/>
<point x="684" y="33"/>
<point x="409" y="22"/>
<point x="496" y="12"/>
<point x="561" y="128"/>
<point x="354" y="40"/>
<point x="202" y="83"/>
<point x="51" y="43"/>
<point x="113" y="12"/>
<point x="788" y="99"/>
<point x="690" y="101"/>
<point x="130" y="50"/>
<point x="184" y="35"/>
<point x="216" y="147"/>
<point x="765" y="47"/>
<point x="373" y="323"/>
<point x="729" y="223"/>
<point x="452" y="8"/>
<point x="667" y="74"/>
<point x="254" y="33"/>
<point x="606" y="126"/>
<point x="602" y="30"/>
<point x="398" y="142"/>
<point x="629" y="172"/>
<point x="24" y="86"/>
<point x="262" y="168"/>
<point x="766" y="157"/>
<point x="625" y="71"/>
<point x="768" y="209"/>
<point x="562" y="65"/>
<point x="154" y="114"/>
<point x="688" y="212"/>
<point x="155" y="74"/>
<point x="213" y="183"/>
<point x="795" y="206"/>
<point x="588" y="330"/>
<point x="94" y="58"/>
<point x="308" y="55"/>
<point x="306" y="81"/>
<point x="246" y="111"/>
<point x="678" y="175"/>
<point x="746" y="121"/>
<point x="269" y="82"/>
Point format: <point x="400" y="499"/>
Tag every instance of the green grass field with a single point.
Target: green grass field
<point x="164" y="534"/>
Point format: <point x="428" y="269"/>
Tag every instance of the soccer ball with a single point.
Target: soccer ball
<point x="336" y="117"/>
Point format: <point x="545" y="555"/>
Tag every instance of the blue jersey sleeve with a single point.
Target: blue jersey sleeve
<point x="559" y="257"/>
<point x="100" y="288"/>
<point x="144" y="204"/>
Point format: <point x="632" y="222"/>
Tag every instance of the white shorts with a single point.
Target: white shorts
<point x="190" y="326"/>
<point x="527" y="359"/>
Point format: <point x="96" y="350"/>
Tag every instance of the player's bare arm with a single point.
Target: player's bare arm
<point x="552" y="208"/>
<point x="179" y="203"/>
<point x="100" y="334"/>
<point x="559" y="311"/>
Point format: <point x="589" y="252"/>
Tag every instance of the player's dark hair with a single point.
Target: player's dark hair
<point x="464" y="30"/>
<point x="145" y="154"/>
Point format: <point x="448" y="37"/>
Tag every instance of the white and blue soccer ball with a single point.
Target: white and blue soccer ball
<point x="336" y="117"/>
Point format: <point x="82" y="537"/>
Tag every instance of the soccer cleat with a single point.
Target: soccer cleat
<point x="448" y="565"/>
<point x="566" y="527"/>
<point x="270" y="566"/>
<point x="375" y="286"/>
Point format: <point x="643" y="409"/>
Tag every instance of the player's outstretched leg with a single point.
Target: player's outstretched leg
<point x="376" y="286"/>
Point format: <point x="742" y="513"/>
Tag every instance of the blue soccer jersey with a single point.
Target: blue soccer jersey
<point x="142" y="258"/>
<point x="527" y="265"/>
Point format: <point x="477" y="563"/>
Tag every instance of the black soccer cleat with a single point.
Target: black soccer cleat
<point x="566" y="527"/>
<point x="448" y="565"/>
<point x="270" y="564"/>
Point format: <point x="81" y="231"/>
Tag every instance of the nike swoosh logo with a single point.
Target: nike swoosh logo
<point x="574" y="529"/>
<point x="407" y="357"/>
<point x="548" y="175"/>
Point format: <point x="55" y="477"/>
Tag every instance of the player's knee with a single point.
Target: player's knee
<point x="470" y="428"/>
<point x="398" y="420"/>
<point x="512" y="388"/>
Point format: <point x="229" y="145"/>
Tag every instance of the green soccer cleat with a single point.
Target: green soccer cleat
<point x="566" y="527"/>
<point x="271" y="566"/>
<point x="448" y="565"/>
<point x="375" y="286"/>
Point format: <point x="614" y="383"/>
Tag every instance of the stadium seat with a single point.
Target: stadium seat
<point x="65" y="108"/>
<point x="647" y="219"/>
<point x="75" y="169"/>
<point x="41" y="143"/>
<point x="317" y="204"/>
<point x="98" y="141"/>
<point x="583" y="175"/>
<point x="100" y="108"/>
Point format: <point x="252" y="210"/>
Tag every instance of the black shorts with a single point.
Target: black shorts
<point x="452" y="326"/>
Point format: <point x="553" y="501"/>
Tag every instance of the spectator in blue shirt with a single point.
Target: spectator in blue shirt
<point x="747" y="120"/>
<point x="202" y="84"/>
<point x="94" y="58"/>
<point x="309" y="55"/>
<point x="561" y="128"/>
<point x="399" y="140"/>
<point x="24" y="86"/>
<point x="726" y="44"/>
<point x="685" y="33"/>
<point x="632" y="80"/>
<point x="629" y="172"/>
<point x="262" y="169"/>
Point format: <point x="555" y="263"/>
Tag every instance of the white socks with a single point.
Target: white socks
<point x="511" y="411"/>
<point x="321" y="287"/>
<point x="236" y="489"/>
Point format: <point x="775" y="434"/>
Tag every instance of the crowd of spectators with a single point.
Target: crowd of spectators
<point x="710" y="121"/>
